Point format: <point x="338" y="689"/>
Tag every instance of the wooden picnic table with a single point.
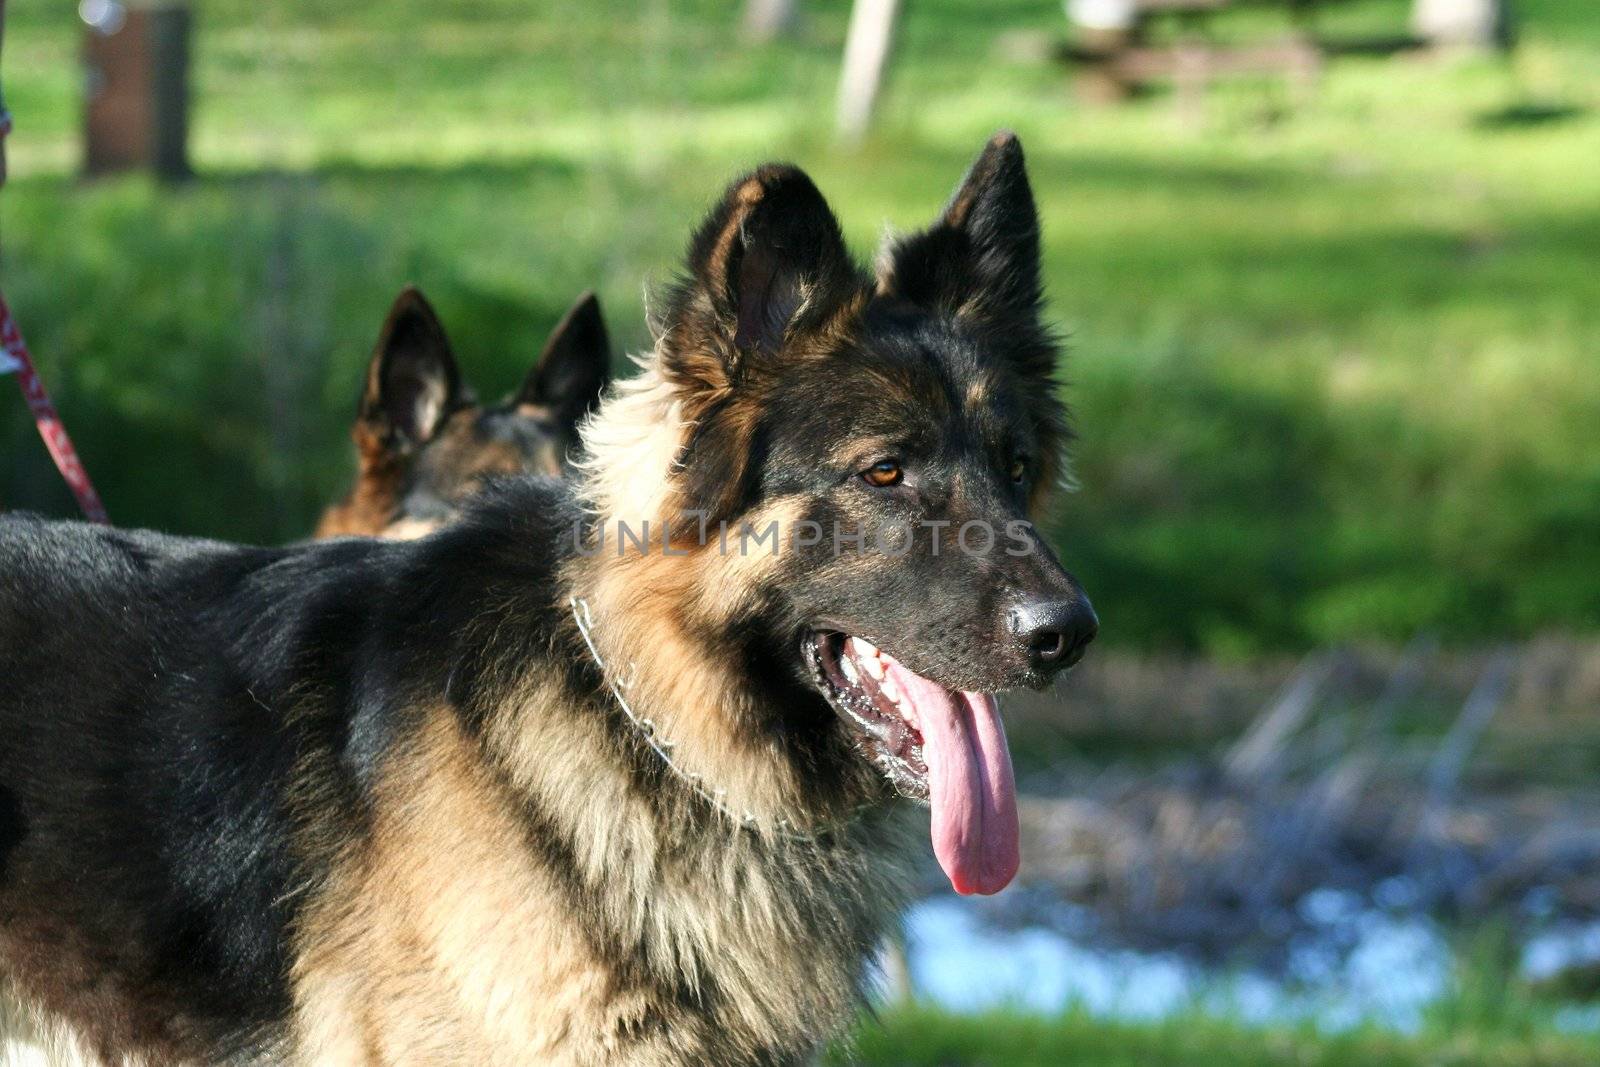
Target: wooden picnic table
<point x="1116" y="58"/>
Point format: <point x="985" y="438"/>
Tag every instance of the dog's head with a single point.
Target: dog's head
<point x="424" y="445"/>
<point x="857" y="460"/>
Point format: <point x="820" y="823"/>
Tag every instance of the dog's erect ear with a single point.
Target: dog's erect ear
<point x="981" y="258"/>
<point x="573" y="368"/>
<point x="766" y="268"/>
<point x="412" y="381"/>
<point x="980" y="262"/>
<point x="768" y="264"/>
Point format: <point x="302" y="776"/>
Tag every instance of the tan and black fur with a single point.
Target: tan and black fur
<point x="424" y="444"/>
<point x="379" y="802"/>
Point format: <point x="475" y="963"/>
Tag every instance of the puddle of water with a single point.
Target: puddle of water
<point x="1352" y="965"/>
<point x="1559" y="948"/>
<point x="960" y="962"/>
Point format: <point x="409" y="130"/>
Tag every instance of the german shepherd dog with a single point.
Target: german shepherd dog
<point x="541" y="787"/>
<point x="424" y="444"/>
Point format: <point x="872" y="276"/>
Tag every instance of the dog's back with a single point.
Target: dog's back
<point x="190" y="734"/>
<point x="145" y="832"/>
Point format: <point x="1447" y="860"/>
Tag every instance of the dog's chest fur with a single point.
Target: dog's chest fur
<point x="571" y="926"/>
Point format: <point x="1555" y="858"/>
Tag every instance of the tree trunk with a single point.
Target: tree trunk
<point x="866" y="54"/>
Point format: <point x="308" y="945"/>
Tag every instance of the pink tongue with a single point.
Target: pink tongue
<point x="974" y="794"/>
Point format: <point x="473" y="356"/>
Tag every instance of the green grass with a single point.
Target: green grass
<point x="926" y="1038"/>
<point x="1332" y="361"/>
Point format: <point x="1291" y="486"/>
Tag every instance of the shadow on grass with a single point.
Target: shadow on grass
<point x="1528" y="114"/>
<point x="489" y="171"/>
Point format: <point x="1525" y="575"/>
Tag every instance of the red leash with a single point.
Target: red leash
<point x="14" y="358"/>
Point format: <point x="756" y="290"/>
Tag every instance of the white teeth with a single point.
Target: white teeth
<point x="867" y="653"/>
<point x="890" y="690"/>
<point x="848" y="665"/>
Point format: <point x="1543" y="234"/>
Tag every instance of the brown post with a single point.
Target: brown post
<point x="136" y="111"/>
<point x="767" y="20"/>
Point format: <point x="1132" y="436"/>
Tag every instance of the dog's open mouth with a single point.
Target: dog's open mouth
<point x="935" y="744"/>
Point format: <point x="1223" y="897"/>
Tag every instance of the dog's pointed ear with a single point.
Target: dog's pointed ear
<point x="768" y="264"/>
<point x="980" y="262"/>
<point x="412" y="381"/>
<point x="981" y="258"/>
<point x="575" y="365"/>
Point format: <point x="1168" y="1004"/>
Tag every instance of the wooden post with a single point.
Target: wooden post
<point x="136" y="113"/>
<point x="866" y="54"/>
<point x="899" y="990"/>
<point x="767" y="20"/>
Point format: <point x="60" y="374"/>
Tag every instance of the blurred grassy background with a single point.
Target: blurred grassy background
<point x="1333" y="361"/>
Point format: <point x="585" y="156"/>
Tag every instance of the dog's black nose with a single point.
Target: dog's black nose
<point x="1055" y="633"/>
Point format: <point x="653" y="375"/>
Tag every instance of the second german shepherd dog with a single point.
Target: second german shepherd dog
<point x="544" y="787"/>
<point x="424" y="445"/>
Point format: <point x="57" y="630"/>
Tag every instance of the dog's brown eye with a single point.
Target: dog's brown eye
<point x="1019" y="469"/>
<point x="884" y="473"/>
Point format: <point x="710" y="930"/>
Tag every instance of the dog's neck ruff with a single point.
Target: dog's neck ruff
<point x="715" y="797"/>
